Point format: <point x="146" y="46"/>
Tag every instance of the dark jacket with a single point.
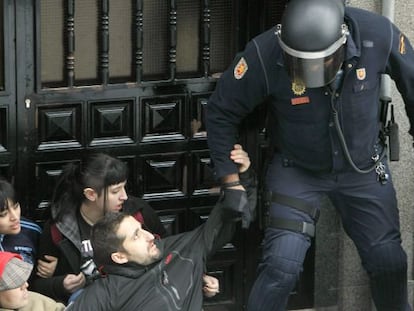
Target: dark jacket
<point x="304" y="133"/>
<point x="174" y="282"/>
<point x="67" y="248"/>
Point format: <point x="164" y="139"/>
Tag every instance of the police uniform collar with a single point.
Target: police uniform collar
<point x="353" y="45"/>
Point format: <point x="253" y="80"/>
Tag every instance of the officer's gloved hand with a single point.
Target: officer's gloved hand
<point x="249" y="211"/>
<point x="240" y="204"/>
<point x="235" y="204"/>
<point x="248" y="181"/>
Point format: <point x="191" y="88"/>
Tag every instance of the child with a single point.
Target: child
<point x="14" y="273"/>
<point x="17" y="234"/>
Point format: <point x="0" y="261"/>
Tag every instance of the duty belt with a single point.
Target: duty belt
<point x="298" y="204"/>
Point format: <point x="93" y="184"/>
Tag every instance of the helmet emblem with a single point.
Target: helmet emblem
<point x="240" y="69"/>
<point x="298" y="87"/>
<point x="361" y="74"/>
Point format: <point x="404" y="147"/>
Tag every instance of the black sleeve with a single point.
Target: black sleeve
<point x="46" y="244"/>
<point x="248" y="179"/>
<point x="232" y="100"/>
<point x="91" y="299"/>
<point x="53" y="286"/>
<point x="401" y="69"/>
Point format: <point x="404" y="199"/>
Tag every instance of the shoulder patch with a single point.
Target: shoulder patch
<point x="240" y="69"/>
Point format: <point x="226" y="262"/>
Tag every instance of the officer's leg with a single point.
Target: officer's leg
<point x="284" y="250"/>
<point x="283" y="256"/>
<point x="370" y="217"/>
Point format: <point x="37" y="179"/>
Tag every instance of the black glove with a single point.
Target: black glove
<point x="248" y="181"/>
<point x="235" y="204"/>
<point x="239" y="204"/>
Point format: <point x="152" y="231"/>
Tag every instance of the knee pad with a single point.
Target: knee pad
<point x="283" y="256"/>
<point x="276" y="279"/>
<point x="278" y="273"/>
<point x="282" y="271"/>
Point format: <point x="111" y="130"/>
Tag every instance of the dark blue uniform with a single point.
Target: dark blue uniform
<point x="310" y="161"/>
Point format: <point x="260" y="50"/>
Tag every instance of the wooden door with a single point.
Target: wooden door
<point x="130" y="78"/>
<point x="8" y="149"/>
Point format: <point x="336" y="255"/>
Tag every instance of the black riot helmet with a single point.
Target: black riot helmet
<point x="312" y="35"/>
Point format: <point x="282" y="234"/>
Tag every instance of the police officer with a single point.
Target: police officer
<point x="321" y="70"/>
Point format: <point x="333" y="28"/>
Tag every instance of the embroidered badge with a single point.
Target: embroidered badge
<point x="240" y="69"/>
<point x="298" y="87"/>
<point x="361" y="74"/>
<point x="401" y="48"/>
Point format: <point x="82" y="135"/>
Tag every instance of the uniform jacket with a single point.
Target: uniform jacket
<point x="38" y="302"/>
<point x="68" y="249"/>
<point x="173" y="283"/>
<point x="25" y="243"/>
<point x="301" y="122"/>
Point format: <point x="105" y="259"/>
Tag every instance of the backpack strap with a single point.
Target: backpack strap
<point x="56" y="234"/>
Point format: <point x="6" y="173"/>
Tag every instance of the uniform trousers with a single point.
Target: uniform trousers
<point x="369" y="215"/>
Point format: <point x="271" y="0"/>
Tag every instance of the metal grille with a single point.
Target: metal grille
<point x="274" y="10"/>
<point x="51" y="38"/>
<point x="188" y="38"/>
<point x="3" y="126"/>
<point x="120" y="38"/>
<point x="93" y="42"/>
<point x="221" y="35"/>
<point x="86" y="41"/>
<point x="1" y="47"/>
<point x="156" y="40"/>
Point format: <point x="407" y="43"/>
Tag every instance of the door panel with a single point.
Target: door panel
<point x="7" y="91"/>
<point x="130" y="78"/>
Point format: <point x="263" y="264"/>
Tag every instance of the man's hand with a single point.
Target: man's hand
<point x="239" y="156"/>
<point x="46" y="268"/>
<point x="73" y="282"/>
<point x="210" y="286"/>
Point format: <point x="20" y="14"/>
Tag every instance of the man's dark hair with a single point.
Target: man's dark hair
<point x="104" y="238"/>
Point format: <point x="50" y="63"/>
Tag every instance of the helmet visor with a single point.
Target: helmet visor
<point x="314" y="73"/>
<point x="317" y="68"/>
